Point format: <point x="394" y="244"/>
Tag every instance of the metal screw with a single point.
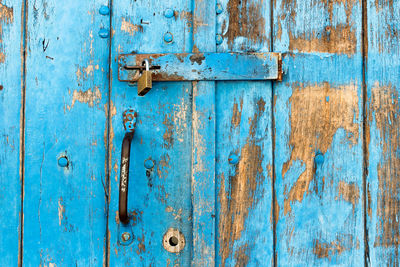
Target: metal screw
<point x="218" y="39"/>
<point x="233" y="158"/>
<point x="103" y="33"/>
<point x="218" y="8"/>
<point x="104" y="10"/>
<point x="168" y="37"/>
<point x="126" y="236"/>
<point x="169" y="13"/>
<point x="63" y="161"/>
<point x="148" y="164"/>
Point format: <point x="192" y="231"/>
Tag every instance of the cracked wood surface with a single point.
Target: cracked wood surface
<point x="252" y="173"/>
<point x="11" y="127"/>
<point x="66" y="95"/>
<point x="318" y="151"/>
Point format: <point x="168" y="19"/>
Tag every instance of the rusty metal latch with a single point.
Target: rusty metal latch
<point x="201" y="66"/>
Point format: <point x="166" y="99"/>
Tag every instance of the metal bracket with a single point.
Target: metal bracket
<point x="202" y="66"/>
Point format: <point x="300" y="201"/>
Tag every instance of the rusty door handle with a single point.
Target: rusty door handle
<point x="129" y="119"/>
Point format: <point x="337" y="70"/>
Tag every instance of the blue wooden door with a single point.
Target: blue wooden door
<point x="298" y="172"/>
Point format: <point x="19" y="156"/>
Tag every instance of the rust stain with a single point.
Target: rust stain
<point x="385" y="107"/>
<point x="89" y="97"/>
<point x="198" y="58"/>
<point x="237" y="114"/>
<point x="135" y="217"/>
<point x="141" y="245"/>
<point x="335" y="247"/>
<point x="348" y="192"/>
<point x="245" y="20"/>
<point x="314" y="121"/>
<point x="129" y="27"/>
<point x="2" y="57"/>
<point x="242" y="189"/>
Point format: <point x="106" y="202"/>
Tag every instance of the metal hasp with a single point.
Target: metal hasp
<point x="202" y="66"/>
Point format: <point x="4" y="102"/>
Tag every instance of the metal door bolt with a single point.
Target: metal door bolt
<point x="169" y="13"/>
<point x="63" y="161"/>
<point x="218" y="8"/>
<point x="233" y="158"/>
<point x="104" y="10"/>
<point x="218" y="39"/>
<point x="126" y="236"/>
<point x="103" y="33"/>
<point x="168" y="37"/>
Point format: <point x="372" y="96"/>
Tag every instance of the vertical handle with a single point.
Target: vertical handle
<point x="129" y="119"/>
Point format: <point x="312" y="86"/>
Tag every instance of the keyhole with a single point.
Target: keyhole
<point x="173" y="241"/>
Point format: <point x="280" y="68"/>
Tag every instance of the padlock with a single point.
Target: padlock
<point x="145" y="82"/>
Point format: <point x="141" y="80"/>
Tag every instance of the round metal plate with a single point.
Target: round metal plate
<point x="173" y="241"/>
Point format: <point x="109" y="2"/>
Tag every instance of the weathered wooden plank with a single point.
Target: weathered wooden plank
<point x="203" y="142"/>
<point x="382" y="132"/>
<point x="159" y="196"/>
<point x="203" y="66"/>
<point x="66" y="100"/>
<point x="244" y="143"/>
<point x="11" y="128"/>
<point x="318" y="111"/>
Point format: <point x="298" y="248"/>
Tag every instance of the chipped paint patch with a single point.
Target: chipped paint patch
<point x="88" y="97"/>
<point x="169" y="132"/>
<point x="83" y="73"/>
<point x="240" y="195"/>
<point x="331" y="37"/>
<point x="181" y="117"/>
<point x="6" y="14"/>
<point x="245" y="20"/>
<point x="242" y="255"/>
<point x="348" y="192"/>
<point x="340" y="40"/>
<point x="61" y="210"/>
<point x="129" y="27"/>
<point x="334" y="248"/>
<point x="237" y="113"/>
<point x="7" y="17"/>
<point x="314" y="122"/>
<point x="384" y="106"/>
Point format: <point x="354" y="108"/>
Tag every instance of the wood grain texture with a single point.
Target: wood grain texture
<point x="318" y="151"/>
<point x="11" y="77"/>
<point x="159" y="198"/>
<point x="66" y="96"/>
<point x="203" y="142"/>
<point x="244" y="131"/>
<point x="383" y="140"/>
